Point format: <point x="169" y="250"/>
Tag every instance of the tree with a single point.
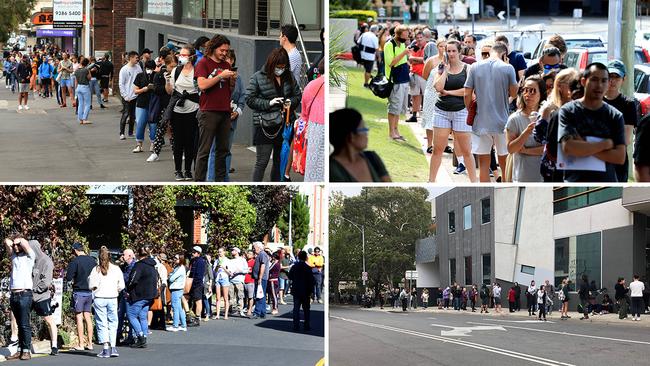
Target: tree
<point x="231" y="216"/>
<point x="269" y="201"/>
<point x="393" y="218"/>
<point x="13" y="13"/>
<point x="152" y="220"/>
<point x="299" y="221"/>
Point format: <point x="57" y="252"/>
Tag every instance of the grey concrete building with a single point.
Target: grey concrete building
<point x="253" y="28"/>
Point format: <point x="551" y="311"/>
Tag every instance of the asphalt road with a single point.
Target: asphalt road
<point x="448" y="338"/>
<point x="47" y="144"/>
<point x="237" y="341"/>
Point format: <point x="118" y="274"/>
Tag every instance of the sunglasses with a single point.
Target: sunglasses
<point x="362" y="131"/>
<point x="551" y="67"/>
<point x="485" y="54"/>
<point x="531" y="91"/>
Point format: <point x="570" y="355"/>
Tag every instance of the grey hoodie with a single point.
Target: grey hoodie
<point x="42" y="273"/>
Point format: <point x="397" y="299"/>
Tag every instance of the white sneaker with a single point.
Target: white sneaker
<point x="172" y="329"/>
<point x="26" y="107"/>
<point x="20" y="107"/>
<point x="137" y="149"/>
<point x="122" y="137"/>
<point x="182" y="329"/>
<point x="152" y="157"/>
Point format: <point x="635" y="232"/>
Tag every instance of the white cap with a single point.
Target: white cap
<point x="197" y="249"/>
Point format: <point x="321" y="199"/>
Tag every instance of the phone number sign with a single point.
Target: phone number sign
<point x="68" y="13"/>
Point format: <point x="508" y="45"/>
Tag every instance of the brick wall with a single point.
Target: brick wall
<point x="122" y="9"/>
<point x="197" y="230"/>
<point x="103" y="25"/>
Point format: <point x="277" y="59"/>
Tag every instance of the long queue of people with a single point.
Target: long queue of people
<point x="195" y="91"/>
<point x="150" y="290"/>
<point x="519" y="123"/>
<point x="540" y="300"/>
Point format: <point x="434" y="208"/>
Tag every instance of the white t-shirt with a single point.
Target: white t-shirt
<point x="368" y="39"/>
<point x="636" y="289"/>
<point x="238" y="265"/>
<point x="185" y="83"/>
<point x="21" y="273"/>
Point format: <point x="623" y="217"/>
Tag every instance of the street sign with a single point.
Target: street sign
<point x="411" y="275"/>
<point x="364" y="276"/>
<point x="474" y="6"/>
<point x="68" y="13"/>
<point x="501" y="15"/>
<point x="58" y="299"/>
<point x="42" y="18"/>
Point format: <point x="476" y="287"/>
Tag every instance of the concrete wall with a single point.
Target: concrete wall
<point x="473" y="242"/>
<point x="604" y="216"/>
<point x="617" y="256"/>
<point x="428" y="274"/>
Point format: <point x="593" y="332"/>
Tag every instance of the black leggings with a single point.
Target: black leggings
<point x="184" y="127"/>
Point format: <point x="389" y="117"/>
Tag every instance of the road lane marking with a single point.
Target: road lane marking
<point x="516" y="321"/>
<point x="464" y="331"/>
<point x="482" y="347"/>
<point x="569" y="334"/>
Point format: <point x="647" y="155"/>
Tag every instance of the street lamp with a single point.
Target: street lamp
<point x="363" y="246"/>
<point x="290" y="203"/>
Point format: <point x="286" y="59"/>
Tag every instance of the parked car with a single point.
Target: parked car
<point x="642" y="87"/>
<point x="579" y="58"/>
<point x="572" y="41"/>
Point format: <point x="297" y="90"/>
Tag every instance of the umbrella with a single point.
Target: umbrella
<point x="286" y="144"/>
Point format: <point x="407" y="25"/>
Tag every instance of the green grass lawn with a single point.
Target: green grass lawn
<point x="404" y="160"/>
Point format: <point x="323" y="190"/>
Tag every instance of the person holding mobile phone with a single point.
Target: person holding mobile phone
<point x="144" y="89"/>
<point x="417" y="83"/>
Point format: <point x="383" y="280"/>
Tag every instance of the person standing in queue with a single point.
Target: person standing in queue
<point x="78" y="271"/>
<point x="216" y="81"/>
<point x="302" y="284"/>
<point x="142" y="288"/>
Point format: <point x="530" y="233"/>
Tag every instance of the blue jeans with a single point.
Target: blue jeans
<point x="137" y="313"/>
<point x="83" y="94"/>
<point x="177" y="308"/>
<point x="210" y="177"/>
<point x="318" y="282"/>
<point x="207" y="308"/>
<point x="106" y="320"/>
<point x="141" y="117"/>
<point x="121" y="313"/>
<point x="94" y="89"/>
<point x="260" y="304"/>
<point x="21" y="306"/>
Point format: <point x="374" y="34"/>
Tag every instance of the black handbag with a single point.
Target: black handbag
<point x="269" y="121"/>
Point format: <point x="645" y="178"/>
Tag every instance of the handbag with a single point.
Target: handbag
<point x="259" y="294"/>
<point x="471" y="113"/>
<point x="188" y="285"/>
<point x="267" y="121"/>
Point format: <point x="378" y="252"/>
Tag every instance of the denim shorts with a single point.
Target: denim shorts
<point x="223" y="281"/>
<point x="284" y="282"/>
<point x="66" y="82"/>
<point x="83" y="302"/>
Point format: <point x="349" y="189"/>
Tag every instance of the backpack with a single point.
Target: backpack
<point x="560" y="295"/>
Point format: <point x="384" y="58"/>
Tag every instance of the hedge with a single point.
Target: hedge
<point x="360" y="15"/>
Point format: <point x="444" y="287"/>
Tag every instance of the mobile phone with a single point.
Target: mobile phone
<point x="446" y="58"/>
<point x="234" y="68"/>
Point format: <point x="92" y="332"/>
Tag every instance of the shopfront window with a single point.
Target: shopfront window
<point x="193" y="9"/>
<point x="577" y="256"/>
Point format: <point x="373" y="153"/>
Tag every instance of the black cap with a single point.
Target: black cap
<point x="77" y="246"/>
<point x="146" y="50"/>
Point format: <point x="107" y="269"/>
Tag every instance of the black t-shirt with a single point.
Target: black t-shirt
<point x="105" y="68"/>
<point x="606" y="122"/>
<point x="143" y="79"/>
<point x="627" y="106"/>
<point x="536" y="69"/>
<point x="641" y="146"/>
<point x="24" y="72"/>
<point x="78" y="271"/>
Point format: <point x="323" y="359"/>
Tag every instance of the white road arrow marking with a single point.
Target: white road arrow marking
<point x="501" y="15"/>
<point x="465" y="331"/>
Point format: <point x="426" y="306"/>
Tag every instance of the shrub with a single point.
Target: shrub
<point x="360" y="15"/>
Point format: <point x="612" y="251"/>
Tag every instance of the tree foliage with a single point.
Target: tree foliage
<point x="50" y="214"/>
<point x="299" y="221"/>
<point x="393" y="218"/>
<point x="12" y="14"/>
<point x="269" y="201"/>
<point x="152" y="220"/>
<point x="231" y="216"/>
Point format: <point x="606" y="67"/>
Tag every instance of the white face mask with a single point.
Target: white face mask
<point x="279" y="71"/>
<point x="149" y="71"/>
<point x="183" y="60"/>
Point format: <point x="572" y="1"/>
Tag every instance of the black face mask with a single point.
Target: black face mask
<point x="402" y="40"/>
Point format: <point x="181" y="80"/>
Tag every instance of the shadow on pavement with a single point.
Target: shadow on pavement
<point x="284" y="323"/>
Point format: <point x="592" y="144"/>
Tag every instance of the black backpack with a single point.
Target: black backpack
<point x="356" y="54"/>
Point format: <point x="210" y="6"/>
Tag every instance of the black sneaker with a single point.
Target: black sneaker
<point x="102" y="106"/>
<point x="449" y="150"/>
<point x="413" y="118"/>
<point x="179" y="176"/>
<point x="430" y="150"/>
<point x="54" y="352"/>
<point x="232" y="170"/>
<point x="188" y="175"/>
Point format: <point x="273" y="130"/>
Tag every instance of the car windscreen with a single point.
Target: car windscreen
<point x="587" y="43"/>
<point x="601" y="56"/>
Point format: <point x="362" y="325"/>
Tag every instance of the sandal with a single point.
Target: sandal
<point x="430" y="150"/>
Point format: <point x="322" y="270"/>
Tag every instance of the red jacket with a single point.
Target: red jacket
<point x="511" y="295"/>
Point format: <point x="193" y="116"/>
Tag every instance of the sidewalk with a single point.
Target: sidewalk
<point x="523" y="315"/>
<point x="47" y="144"/>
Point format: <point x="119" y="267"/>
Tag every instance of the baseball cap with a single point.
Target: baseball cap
<point x="163" y="257"/>
<point x="616" y="67"/>
<point x="171" y="46"/>
<point x="197" y="249"/>
<point x="77" y="246"/>
<point x="235" y="249"/>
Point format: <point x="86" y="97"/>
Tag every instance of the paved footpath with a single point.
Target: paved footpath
<point x="435" y="337"/>
<point x="234" y="342"/>
<point x="47" y="144"/>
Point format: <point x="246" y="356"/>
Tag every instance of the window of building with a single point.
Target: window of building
<point x="452" y="222"/>
<point x="452" y="270"/>
<point x="571" y="198"/>
<point x="528" y="270"/>
<point x="192" y="9"/>
<point x="577" y="256"/>
<point x="487" y="268"/>
<point x="485" y="210"/>
<point x="467" y="217"/>
<point x="158" y="7"/>
<point x="468" y="270"/>
<point x="141" y="39"/>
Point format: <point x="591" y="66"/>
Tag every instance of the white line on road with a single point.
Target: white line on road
<point x="482" y="347"/>
<point x="569" y="334"/>
<point x="516" y="321"/>
<point x="464" y="331"/>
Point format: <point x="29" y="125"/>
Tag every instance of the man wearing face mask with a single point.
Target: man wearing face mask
<point x="216" y="81"/>
<point x="397" y="70"/>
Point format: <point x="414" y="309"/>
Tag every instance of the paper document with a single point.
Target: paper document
<point x="569" y="162"/>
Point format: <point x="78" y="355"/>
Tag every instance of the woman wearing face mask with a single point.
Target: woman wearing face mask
<point x="271" y="90"/>
<point x="144" y="89"/>
<point x="199" y="46"/>
<point x="350" y="162"/>
<point x="184" y="104"/>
